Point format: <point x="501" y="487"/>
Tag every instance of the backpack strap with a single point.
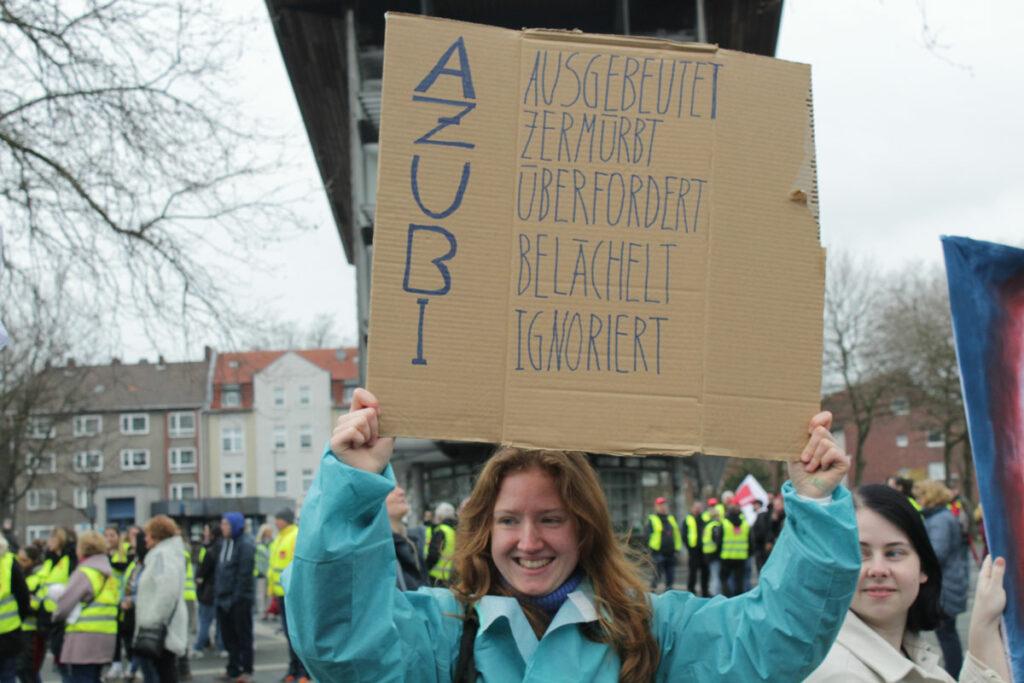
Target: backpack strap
<point x="465" y="670"/>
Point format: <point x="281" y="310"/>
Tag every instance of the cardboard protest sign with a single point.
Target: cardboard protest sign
<point x="986" y="293"/>
<point x="594" y="242"/>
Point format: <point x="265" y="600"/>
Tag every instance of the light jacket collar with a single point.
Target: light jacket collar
<point x="578" y="608"/>
<point x="878" y="655"/>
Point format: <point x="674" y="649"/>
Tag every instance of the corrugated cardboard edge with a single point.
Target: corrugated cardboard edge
<point x="805" y="186"/>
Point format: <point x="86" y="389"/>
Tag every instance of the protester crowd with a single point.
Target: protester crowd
<point x="138" y="604"/>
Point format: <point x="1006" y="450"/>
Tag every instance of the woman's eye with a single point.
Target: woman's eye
<point x="552" y="521"/>
<point x="506" y="521"/>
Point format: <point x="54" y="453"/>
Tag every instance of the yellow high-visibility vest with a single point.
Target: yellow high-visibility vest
<point x="426" y="541"/>
<point x="34" y="581"/>
<point x="443" y="569"/>
<point x="10" y="620"/>
<point x="691" y="531"/>
<point x="710" y="547"/>
<point x="57" y="574"/>
<point x="190" y="578"/>
<point x="736" y="540"/>
<point x="100" y="614"/>
<point x="654" y="542"/>
<point x="282" y="551"/>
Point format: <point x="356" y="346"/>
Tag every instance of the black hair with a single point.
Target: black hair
<point x="926" y="613"/>
<point x="906" y="486"/>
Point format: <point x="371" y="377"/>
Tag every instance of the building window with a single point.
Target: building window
<point x="41" y="428"/>
<point x="937" y="471"/>
<point x="231" y="396"/>
<point x="279" y="397"/>
<point x="936" y="439"/>
<point x="305" y="436"/>
<point x="41" y="499"/>
<point x="350" y="390"/>
<point x="231" y="439"/>
<point x="234" y="484"/>
<point x="183" y="491"/>
<point x="280" y="438"/>
<point x="307" y="479"/>
<point x="41" y="463"/>
<point x="902" y="441"/>
<point x="135" y="423"/>
<point x="305" y="395"/>
<point x="37" y="532"/>
<point x="280" y="482"/>
<point x="88" y="461"/>
<point x="88" y="425"/>
<point x="900" y="406"/>
<point x="182" y="460"/>
<point x="81" y="497"/>
<point x="134" y="459"/>
<point x="182" y="424"/>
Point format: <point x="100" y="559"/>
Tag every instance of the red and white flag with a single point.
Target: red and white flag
<point x="749" y="490"/>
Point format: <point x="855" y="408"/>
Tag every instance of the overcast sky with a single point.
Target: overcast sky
<point x="918" y="129"/>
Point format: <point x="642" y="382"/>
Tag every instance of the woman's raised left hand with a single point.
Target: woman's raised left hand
<point x="822" y="464"/>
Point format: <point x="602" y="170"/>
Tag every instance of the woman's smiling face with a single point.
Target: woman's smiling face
<point x="890" y="572"/>
<point x="533" y="536"/>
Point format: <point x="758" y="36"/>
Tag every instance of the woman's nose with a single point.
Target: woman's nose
<point x="529" y="539"/>
<point x="876" y="565"/>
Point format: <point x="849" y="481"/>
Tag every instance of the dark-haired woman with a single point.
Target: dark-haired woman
<point x="543" y="590"/>
<point x="898" y="596"/>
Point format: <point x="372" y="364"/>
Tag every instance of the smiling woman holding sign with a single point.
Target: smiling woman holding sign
<point x="542" y="590"/>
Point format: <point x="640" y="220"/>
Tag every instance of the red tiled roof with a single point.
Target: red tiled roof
<point x="251" y="362"/>
<point x="248" y="363"/>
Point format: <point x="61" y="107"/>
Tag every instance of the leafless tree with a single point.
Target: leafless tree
<point x="857" y="365"/>
<point x="124" y="163"/>
<point x="918" y="329"/>
<point x="33" y="396"/>
<point x="289" y="334"/>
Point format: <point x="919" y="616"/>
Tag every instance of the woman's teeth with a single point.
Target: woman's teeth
<point x="533" y="564"/>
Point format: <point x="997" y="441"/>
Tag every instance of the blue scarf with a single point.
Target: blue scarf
<point x="553" y="600"/>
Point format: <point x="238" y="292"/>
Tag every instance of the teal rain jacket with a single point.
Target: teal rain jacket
<point x="356" y="626"/>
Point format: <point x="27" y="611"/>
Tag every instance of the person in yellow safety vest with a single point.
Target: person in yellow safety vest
<point x="664" y="541"/>
<point x="697" y="572"/>
<point x="61" y="560"/>
<point x="711" y="541"/>
<point x="282" y="551"/>
<point x="30" y="560"/>
<point x="89" y="605"/>
<point x="735" y="551"/>
<point x="441" y="545"/>
<point x="14" y="608"/>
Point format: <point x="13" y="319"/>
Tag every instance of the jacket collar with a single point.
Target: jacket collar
<point x="578" y="608"/>
<point x="878" y="655"/>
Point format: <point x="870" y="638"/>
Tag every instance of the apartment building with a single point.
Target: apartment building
<point x="270" y="416"/>
<point x="119" y="438"/>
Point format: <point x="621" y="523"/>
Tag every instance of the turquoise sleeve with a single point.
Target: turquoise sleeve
<point x="351" y="623"/>
<point x="782" y="629"/>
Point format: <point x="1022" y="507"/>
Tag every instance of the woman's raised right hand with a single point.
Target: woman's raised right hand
<point x="356" y="439"/>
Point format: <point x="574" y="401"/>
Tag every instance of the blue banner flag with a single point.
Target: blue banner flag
<point x="986" y="293"/>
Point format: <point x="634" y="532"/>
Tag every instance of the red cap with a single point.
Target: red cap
<point x="659" y="500"/>
<point x="712" y="501"/>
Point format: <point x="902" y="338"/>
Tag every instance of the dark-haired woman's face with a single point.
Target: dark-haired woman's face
<point x="890" y="572"/>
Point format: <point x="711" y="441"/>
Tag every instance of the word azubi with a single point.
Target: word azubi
<point x="425" y="238"/>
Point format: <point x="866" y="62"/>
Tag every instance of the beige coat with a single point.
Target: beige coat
<point x="861" y="655"/>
